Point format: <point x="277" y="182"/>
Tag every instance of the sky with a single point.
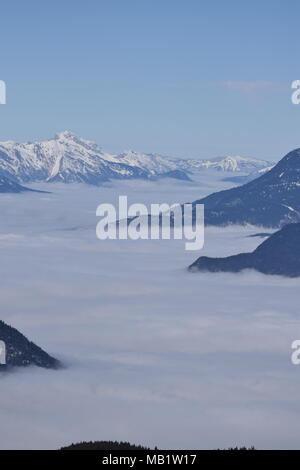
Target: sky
<point x="186" y="79"/>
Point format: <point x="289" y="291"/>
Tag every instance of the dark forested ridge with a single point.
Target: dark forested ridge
<point x="279" y="254"/>
<point x="22" y="352"/>
<point x="104" y="445"/>
<point x="115" y="445"/>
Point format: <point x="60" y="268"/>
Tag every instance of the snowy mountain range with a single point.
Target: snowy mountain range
<point x="230" y="163"/>
<point x="69" y="158"/>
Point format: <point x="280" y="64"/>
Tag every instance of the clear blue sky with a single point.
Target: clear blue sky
<point x="153" y="74"/>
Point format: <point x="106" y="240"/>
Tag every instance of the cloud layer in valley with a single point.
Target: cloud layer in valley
<point x="155" y="355"/>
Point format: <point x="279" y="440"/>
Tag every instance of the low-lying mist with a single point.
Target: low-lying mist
<point x="153" y="354"/>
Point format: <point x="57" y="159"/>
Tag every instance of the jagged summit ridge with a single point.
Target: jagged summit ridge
<point x="19" y="351"/>
<point x="70" y="158"/>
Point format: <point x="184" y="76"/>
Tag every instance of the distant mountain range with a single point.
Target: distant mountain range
<point x="271" y="200"/>
<point x="69" y="158"/>
<point x="230" y="164"/>
<point x="22" y="352"/>
<point x="247" y="178"/>
<point x="279" y="254"/>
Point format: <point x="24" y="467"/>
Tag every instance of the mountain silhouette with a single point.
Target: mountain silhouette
<point x="19" y="351"/>
<point x="279" y="254"/>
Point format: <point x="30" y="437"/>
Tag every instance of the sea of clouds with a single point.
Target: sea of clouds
<point x="154" y="354"/>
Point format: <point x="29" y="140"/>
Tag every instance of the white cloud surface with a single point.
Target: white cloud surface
<point x="155" y="355"/>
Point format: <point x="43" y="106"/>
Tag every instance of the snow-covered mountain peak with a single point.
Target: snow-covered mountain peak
<point x="65" y="135"/>
<point x="235" y="163"/>
<point x="69" y="158"/>
<point x="70" y="138"/>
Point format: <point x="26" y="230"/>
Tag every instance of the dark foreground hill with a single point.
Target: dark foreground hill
<point x="104" y="445"/>
<point x="271" y="200"/>
<point x="279" y="254"/>
<point x="114" y="445"/>
<point x="22" y="352"/>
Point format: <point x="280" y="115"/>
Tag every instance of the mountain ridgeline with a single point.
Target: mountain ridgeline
<point x="104" y="445"/>
<point x="69" y="158"/>
<point x="279" y="254"/>
<point x="271" y="200"/>
<point x="115" y="445"/>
